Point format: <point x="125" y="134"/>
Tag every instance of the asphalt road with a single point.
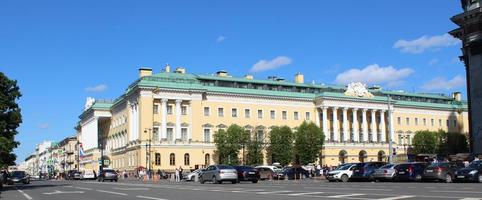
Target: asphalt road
<point x="268" y="190"/>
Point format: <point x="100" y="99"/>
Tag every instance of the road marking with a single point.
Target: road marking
<point x="68" y="186"/>
<point x="63" y="192"/>
<point x="328" y="188"/>
<point x="272" y="192"/>
<point x="24" y="194"/>
<point x="344" y="195"/>
<point x="110" y="192"/>
<point x="130" y="189"/>
<point x="305" y="193"/>
<point x="397" y="197"/>
<point x="154" y="198"/>
<point x="455" y="191"/>
<point x="83" y="188"/>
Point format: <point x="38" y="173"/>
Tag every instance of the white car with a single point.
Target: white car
<point x="342" y="173"/>
<point x="192" y="175"/>
<point x="88" y="175"/>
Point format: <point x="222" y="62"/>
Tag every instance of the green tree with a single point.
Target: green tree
<point x="425" y="142"/>
<point x="309" y="140"/>
<point x="229" y="143"/>
<point x="281" y="144"/>
<point x="255" y="154"/>
<point x="10" y="119"/>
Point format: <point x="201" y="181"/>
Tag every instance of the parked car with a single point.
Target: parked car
<point x="409" y="171"/>
<point x="472" y="173"/>
<point x="218" y="174"/>
<point x="88" y="175"/>
<point x="192" y="175"/>
<point x="364" y="171"/>
<point x="247" y="173"/>
<point x="341" y="173"/>
<point x="270" y="172"/>
<point x="73" y="175"/>
<point x="107" y="174"/>
<point x="292" y="173"/>
<point x="441" y="171"/>
<point x="18" y="177"/>
<point x="384" y="173"/>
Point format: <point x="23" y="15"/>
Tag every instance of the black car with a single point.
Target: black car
<point x="441" y="171"/>
<point x="73" y="175"/>
<point x="18" y="177"/>
<point x="472" y="173"/>
<point x="364" y="171"/>
<point x="247" y="173"/>
<point x="409" y="171"/>
<point x="292" y="173"/>
<point x="107" y="174"/>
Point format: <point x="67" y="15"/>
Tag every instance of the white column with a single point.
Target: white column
<point x="356" y="134"/>
<point x="345" y="124"/>
<point x="317" y="117"/>
<point x="178" y="119"/>
<point x="364" y="125"/>
<point x="374" y="125"/>
<point x="189" y="137"/>
<point x="335" y="125"/>
<point x="164" y="119"/>
<point x="325" y="122"/>
<point x="382" y="126"/>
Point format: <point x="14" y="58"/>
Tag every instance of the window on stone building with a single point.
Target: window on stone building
<point x="455" y="123"/>
<point x="172" y="159"/>
<point x="207" y="159"/>
<point x="285" y="115"/>
<point x="247" y="113"/>
<point x="308" y="116"/>
<point x="234" y="112"/>
<point x="424" y="122"/>
<point x="432" y="122"/>
<point x="447" y="123"/>
<point x="409" y="140"/>
<point x="295" y="115"/>
<point x="221" y="112"/>
<point x="272" y="114"/>
<point x="399" y="120"/>
<point x="186" y="159"/>
<point x="260" y="114"/>
<point x="183" y="110"/>
<point x="155" y="133"/>
<point x="157" y="159"/>
<point x="169" y="110"/>
<point x="169" y="134"/>
<point x="155" y="109"/>
<point x="260" y="135"/>
<point x="207" y="135"/>
<point x="439" y="122"/>
<point x="206" y="111"/>
<point x="184" y="134"/>
<point x="407" y="121"/>
<point x="416" y="121"/>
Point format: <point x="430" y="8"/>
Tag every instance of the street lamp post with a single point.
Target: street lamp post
<point x="148" y="151"/>
<point x="390" y="131"/>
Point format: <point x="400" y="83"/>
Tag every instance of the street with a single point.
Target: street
<point x="304" y="189"/>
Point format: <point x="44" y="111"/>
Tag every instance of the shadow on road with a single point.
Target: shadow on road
<point x="32" y="185"/>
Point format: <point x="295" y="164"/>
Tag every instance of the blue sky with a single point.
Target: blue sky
<point x="64" y="51"/>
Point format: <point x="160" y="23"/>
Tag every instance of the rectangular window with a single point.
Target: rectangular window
<point x="260" y="135"/>
<point x="183" y="110"/>
<point x="399" y="120"/>
<point x="409" y="141"/>
<point x="416" y="121"/>
<point x="220" y="112"/>
<point x="455" y="123"/>
<point x="234" y="112"/>
<point x="295" y="115"/>
<point x="432" y="122"/>
<point x="407" y="120"/>
<point x="247" y="113"/>
<point x="260" y="114"/>
<point x="169" y="110"/>
<point x="400" y="139"/>
<point x="158" y="159"/>
<point x="439" y="122"/>
<point x="285" y="115"/>
<point x="308" y="116"/>
<point x="184" y="134"/>
<point x="448" y="123"/>
<point x="272" y="114"/>
<point x="155" y="133"/>
<point x="424" y="122"/>
<point x="155" y="109"/>
<point x="206" y="111"/>
<point x="169" y="134"/>
<point x="207" y="135"/>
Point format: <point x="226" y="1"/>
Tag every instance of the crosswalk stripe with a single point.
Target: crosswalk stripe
<point x="305" y="193"/>
<point x="344" y="195"/>
<point x="273" y="192"/>
<point x="397" y="197"/>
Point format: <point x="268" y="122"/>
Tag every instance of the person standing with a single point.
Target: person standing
<point x="176" y="175"/>
<point x="180" y="173"/>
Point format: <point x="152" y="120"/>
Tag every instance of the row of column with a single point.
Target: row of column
<point x="163" y="130"/>
<point x="356" y="130"/>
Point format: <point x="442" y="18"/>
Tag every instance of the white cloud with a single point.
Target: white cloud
<point x="264" y="65"/>
<point x="425" y="43"/>
<point x="433" y="62"/>
<point x="440" y="83"/>
<point x="97" y="88"/>
<point x="374" y="74"/>
<point x="220" y="39"/>
<point x="43" y="126"/>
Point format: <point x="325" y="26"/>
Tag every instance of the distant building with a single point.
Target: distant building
<point x="178" y="114"/>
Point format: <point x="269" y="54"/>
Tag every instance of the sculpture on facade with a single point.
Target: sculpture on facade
<point x="89" y="102"/>
<point x="358" y="89"/>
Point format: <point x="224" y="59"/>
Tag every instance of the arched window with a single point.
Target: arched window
<point x="158" y="158"/>
<point x="172" y="159"/>
<point x="342" y="156"/>
<point x="186" y="159"/>
<point x="381" y="156"/>
<point x="362" y="156"/>
<point x="207" y="159"/>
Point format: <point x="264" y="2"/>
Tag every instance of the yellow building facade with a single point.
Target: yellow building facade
<point x="167" y="120"/>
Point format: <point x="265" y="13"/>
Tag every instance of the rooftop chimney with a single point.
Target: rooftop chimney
<point x="249" y="76"/>
<point x="180" y="70"/>
<point x="222" y="73"/>
<point x="457" y="96"/>
<point x="299" y="78"/>
<point x="145" y="71"/>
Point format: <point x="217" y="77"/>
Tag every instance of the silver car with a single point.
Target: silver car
<point x="218" y="174"/>
<point x="384" y="173"/>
